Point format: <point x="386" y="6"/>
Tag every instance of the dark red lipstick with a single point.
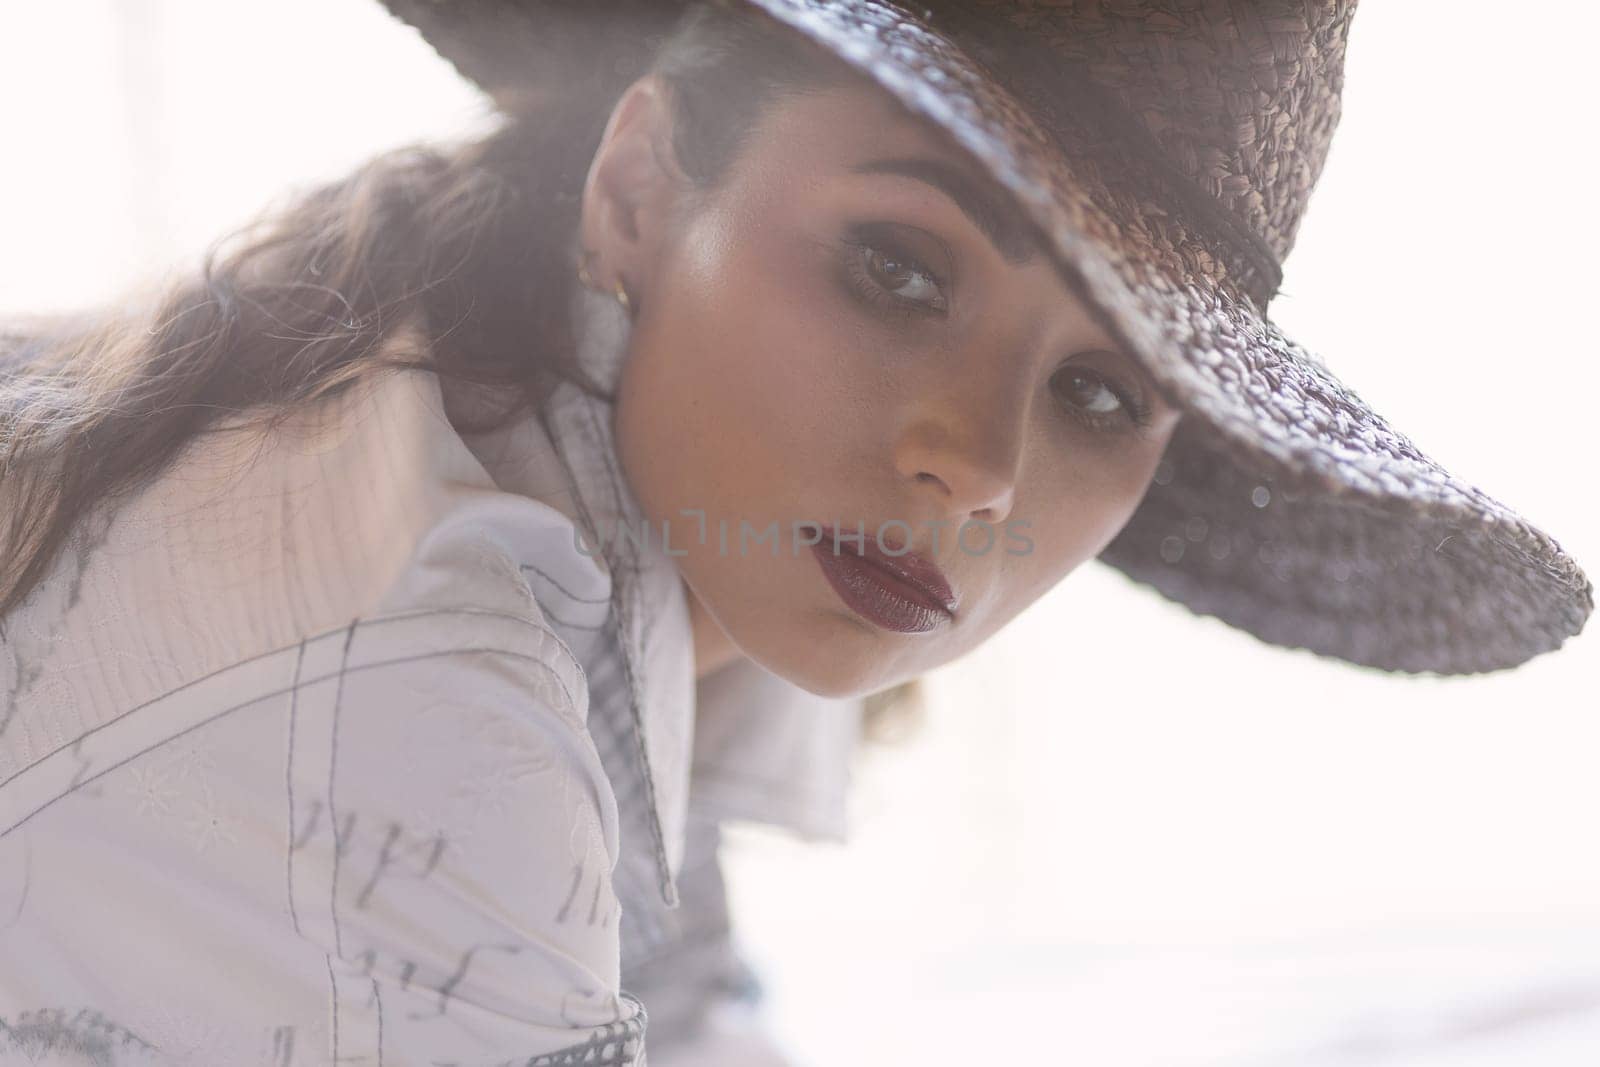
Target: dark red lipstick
<point x="905" y="593"/>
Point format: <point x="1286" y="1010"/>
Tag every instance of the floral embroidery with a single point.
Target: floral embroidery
<point x="153" y="792"/>
<point x="190" y="756"/>
<point x="505" y="764"/>
<point x="590" y="898"/>
<point x="208" y="823"/>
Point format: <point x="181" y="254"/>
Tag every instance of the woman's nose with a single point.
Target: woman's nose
<point x="967" y="459"/>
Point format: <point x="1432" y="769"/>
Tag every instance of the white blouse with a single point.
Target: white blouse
<point x="332" y="745"/>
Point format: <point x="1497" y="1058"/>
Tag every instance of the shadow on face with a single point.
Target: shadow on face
<point x="855" y="332"/>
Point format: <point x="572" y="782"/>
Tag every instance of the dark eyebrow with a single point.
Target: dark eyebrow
<point x="995" y="217"/>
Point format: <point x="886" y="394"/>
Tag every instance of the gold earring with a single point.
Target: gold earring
<point x="583" y="271"/>
<point x="587" y="279"/>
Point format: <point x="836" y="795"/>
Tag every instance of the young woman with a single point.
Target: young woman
<point x="392" y="612"/>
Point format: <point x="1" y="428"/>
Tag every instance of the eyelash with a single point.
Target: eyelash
<point x="1135" y="412"/>
<point x="862" y="244"/>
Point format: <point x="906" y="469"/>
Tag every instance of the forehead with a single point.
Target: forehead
<point x="833" y="128"/>
<point x="811" y="140"/>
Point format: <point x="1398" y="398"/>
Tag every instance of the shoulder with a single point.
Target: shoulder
<point x="365" y="505"/>
<point x="306" y="662"/>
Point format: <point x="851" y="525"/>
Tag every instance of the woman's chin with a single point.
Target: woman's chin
<point x="837" y="658"/>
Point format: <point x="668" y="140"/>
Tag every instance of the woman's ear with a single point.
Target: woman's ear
<point x="632" y="190"/>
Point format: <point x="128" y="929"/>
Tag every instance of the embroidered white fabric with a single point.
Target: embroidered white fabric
<point x="333" y="744"/>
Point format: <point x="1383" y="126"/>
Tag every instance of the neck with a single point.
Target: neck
<point x="713" y="648"/>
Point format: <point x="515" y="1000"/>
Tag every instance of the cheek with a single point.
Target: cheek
<point x="1074" y="506"/>
<point x="739" y="387"/>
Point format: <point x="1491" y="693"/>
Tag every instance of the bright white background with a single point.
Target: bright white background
<point x="1125" y="833"/>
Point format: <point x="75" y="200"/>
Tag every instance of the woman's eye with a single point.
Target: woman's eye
<point x="1095" y="398"/>
<point x="1087" y="391"/>
<point x="902" y="276"/>
<point x="884" y="273"/>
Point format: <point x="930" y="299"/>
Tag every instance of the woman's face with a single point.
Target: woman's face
<point x="827" y="339"/>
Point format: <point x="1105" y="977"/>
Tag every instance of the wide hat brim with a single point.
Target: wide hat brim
<point x="1284" y="505"/>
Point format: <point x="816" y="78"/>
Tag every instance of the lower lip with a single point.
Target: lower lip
<point x="875" y="594"/>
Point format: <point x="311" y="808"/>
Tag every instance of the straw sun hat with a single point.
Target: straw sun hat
<point x="1166" y="149"/>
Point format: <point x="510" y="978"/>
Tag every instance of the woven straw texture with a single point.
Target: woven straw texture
<point x="1166" y="151"/>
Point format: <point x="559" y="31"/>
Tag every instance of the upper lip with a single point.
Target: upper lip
<point x="913" y="568"/>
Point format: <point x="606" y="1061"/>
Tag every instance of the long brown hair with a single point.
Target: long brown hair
<point x="295" y="306"/>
